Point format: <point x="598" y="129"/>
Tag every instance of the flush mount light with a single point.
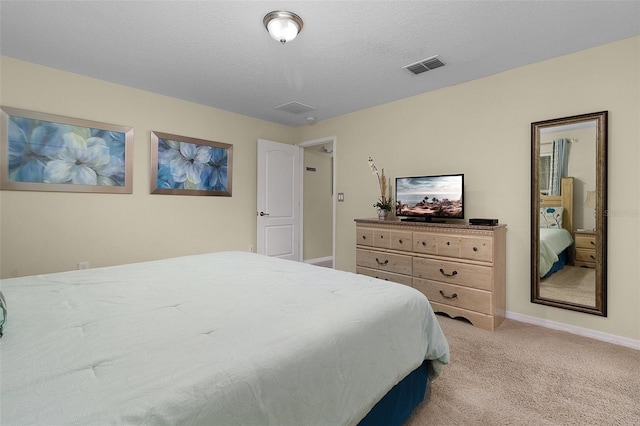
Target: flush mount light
<point x="282" y="26"/>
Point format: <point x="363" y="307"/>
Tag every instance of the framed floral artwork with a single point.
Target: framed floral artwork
<point x="46" y="152"/>
<point x="189" y="166"/>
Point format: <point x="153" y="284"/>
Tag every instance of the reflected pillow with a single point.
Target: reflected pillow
<point x="551" y="217"/>
<point x="3" y="312"/>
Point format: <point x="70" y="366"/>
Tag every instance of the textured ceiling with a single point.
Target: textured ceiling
<point x="349" y="55"/>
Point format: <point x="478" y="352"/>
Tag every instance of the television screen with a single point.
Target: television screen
<point x="426" y="197"/>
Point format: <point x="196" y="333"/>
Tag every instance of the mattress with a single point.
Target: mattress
<point x="221" y="338"/>
<point x="552" y="242"/>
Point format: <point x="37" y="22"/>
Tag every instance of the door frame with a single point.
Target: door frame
<point x="306" y="144"/>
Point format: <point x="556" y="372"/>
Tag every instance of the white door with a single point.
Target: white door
<point x="278" y="200"/>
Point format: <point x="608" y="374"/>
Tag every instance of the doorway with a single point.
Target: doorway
<point x="318" y="200"/>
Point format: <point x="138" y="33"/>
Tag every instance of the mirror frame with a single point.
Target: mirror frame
<point x="601" y="119"/>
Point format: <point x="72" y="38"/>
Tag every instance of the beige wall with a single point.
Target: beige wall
<point x="317" y="204"/>
<point x="482" y="128"/>
<point x="46" y="232"/>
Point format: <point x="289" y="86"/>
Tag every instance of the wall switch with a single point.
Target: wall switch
<point x="83" y="265"/>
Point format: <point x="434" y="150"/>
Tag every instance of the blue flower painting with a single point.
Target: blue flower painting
<point x="46" y="152"/>
<point x="191" y="164"/>
<point x="40" y="152"/>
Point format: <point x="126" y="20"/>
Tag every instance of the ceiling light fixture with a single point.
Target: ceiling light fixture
<point x="282" y="26"/>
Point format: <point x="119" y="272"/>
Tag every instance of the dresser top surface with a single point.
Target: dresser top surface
<point x="409" y="224"/>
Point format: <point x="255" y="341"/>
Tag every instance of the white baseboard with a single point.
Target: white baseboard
<point x="319" y="260"/>
<point x="598" y="335"/>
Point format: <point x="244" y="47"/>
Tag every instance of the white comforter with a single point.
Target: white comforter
<point x="217" y="339"/>
<point x="552" y="242"/>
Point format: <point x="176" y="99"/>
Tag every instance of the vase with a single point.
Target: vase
<point x="382" y="214"/>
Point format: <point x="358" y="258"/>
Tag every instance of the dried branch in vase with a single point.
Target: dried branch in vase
<point x="384" y="202"/>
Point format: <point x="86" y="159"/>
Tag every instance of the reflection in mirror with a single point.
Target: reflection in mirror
<point x="568" y="221"/>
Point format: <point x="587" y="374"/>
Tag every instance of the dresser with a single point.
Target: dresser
<point x="585" y="249"/>
<point x="459" y="267"/>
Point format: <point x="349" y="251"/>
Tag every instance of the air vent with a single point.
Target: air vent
<point x="424" y="65"/>
<point x="295" y="108"/>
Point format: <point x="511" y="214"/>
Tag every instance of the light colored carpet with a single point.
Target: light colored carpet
<point x="523" y="374"/>
<point x="324" y="263"/>
<point x="571" y="284"/>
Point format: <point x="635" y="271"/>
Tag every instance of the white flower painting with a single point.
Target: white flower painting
<point x="47" y="152"/>
<point x="190" y="166"/>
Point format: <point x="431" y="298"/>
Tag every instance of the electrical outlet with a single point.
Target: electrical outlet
<point x="83" y="265"/>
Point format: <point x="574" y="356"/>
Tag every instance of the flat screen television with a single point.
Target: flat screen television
<point x="426" y="198"/>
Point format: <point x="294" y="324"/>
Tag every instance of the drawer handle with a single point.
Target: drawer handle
<point x="453" y="274"/>
<point x="593" y="243"/>
<point x="386" y="279"/>
<point x="382" y="263"/>
<point x="364" y="237"/>
<point x="592" y="256"/>
<point x="400" y="241"/>
<point x="475" y="249"/>
<point x="453" y="296"/>
<point x="448" y="243"/>
<point x="424" y="243"/>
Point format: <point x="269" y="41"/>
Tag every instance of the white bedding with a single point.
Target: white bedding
<point x="552" y="242"/>
<point x="218" y="339"/>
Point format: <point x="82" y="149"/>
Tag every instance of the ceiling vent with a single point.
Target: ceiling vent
<point x="424" y="65"/>
<point x="295" y="108"/>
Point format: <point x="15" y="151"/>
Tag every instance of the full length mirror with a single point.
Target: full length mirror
<point x="568" y="213"/>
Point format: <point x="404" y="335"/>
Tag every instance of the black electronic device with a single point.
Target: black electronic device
<point x="483" y="222"/>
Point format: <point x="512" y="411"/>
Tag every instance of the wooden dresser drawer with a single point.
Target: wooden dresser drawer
<point x="475" y="276"/>
<point x="448" y="245"/>
<point x="583" y="255"/>
<point x="382" y="238"/>
<point x="387" y="276"/>
<point x="477" y="248"/>
<point x="396" y="240"/>
<point x="380" y="260"/>
<point x="585" y="241"/>
<point x="454" y="295"/>
<point x="473" y="248"/>
<point x="364" y="236"/>
<point x="401" y="240"/>
<point x="424" y="242"/>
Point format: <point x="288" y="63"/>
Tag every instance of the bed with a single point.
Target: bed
<point x="554" y="248"/>
<point x="556" y="229"/>
<point x="219" y="339"/>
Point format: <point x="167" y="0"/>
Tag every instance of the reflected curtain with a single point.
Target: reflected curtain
<point x="559" y="164"/>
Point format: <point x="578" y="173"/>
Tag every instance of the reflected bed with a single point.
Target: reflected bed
<point x="556" y="243"/>
<point x="554" y="246"/>
<point x="221" y="338"/>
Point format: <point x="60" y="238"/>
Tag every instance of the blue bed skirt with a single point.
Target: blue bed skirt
<point x="559" y="264"/>
<point x="396" y="406"/>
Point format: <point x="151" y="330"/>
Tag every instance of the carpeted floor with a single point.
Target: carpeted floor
<point x="523" y="374"/>
<point x="571" y="284"/>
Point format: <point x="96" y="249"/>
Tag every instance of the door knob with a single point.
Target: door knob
<point x="263" y="214"/>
